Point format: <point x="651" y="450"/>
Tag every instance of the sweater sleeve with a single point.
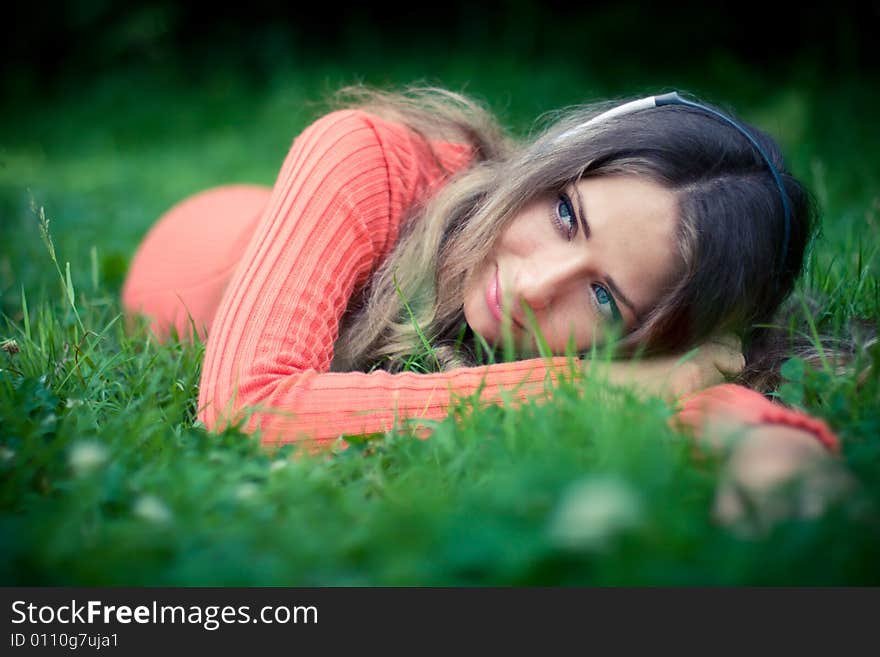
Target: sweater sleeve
<point x="333" y="215"/>
<point x="740" y="405"/>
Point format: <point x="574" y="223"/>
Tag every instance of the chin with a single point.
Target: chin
<point x="476" y="316"/>
<point x="483" y="329"/>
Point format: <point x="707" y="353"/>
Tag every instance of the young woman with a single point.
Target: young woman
<point x="412" y="218"/>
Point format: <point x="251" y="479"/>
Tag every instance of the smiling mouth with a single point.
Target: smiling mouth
<point x="493" y="295"/>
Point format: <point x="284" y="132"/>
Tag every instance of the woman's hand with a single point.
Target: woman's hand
<point x="776" y="472"/>
<point x="672" y="377"/>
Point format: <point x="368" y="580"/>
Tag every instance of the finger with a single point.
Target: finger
<point x="730" y="340"/>
<point x="729" y="507"/>
<point x="729" y="361"/>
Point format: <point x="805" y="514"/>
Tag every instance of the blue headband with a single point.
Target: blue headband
<point x="674" y="99"/>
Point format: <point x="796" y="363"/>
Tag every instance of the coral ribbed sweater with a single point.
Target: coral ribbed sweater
<point x="269" y="274"/>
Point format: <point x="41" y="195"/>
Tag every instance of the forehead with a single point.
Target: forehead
<point x="633" y="223"/>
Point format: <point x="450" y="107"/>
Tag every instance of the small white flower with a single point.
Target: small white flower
<point x="277" y="465"/>
<point x="86" y="456"/>
<point x="151" y="508"/>
<point x="593" y="511"/>
<point x="245" y="491"/>
<point x="6" y="454"/>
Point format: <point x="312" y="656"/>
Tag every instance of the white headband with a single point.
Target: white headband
<point x="632" y="106"/>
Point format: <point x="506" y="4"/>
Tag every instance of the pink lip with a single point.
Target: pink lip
<point x="493" y="296"/>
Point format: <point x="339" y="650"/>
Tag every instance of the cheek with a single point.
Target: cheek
<point x="567" y="322"/>
<point x="473" y="289"/>
<point x="524" y="233"/>
<point x="527" y="239"/>
<point x="479" y="275"/>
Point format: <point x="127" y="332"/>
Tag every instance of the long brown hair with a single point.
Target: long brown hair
<point x="732" y="275"/>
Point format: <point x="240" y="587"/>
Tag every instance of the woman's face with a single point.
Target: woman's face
<point x="599" y="252"/>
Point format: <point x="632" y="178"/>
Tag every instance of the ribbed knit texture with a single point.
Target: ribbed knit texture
<point x="331" y="218"/>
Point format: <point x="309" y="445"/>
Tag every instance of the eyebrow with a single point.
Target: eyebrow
<point x="585" y="227"/>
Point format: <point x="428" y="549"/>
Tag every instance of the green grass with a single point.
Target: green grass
<point x="107" y="479"/>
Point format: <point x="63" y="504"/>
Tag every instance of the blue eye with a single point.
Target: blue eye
<point x="565" y="216"/>
<point x="605" y="302"/>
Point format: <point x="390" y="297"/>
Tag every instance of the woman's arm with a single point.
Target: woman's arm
<point x="723" y="409"/>
<point x="779" y="463"/>
<point x="333" y="215"/>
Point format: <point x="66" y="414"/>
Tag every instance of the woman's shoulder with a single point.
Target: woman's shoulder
<point x="403" y="148"/>
<point x="342" y="130"/>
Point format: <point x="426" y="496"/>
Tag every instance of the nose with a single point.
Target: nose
<point x="542" y="282"/>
